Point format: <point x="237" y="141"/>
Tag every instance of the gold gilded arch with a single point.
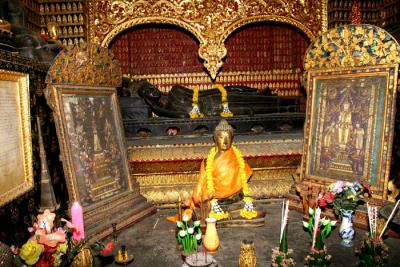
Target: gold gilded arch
<point x="211" y="22"/>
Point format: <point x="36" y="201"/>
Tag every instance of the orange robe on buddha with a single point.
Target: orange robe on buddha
<point x="226" y="178"/>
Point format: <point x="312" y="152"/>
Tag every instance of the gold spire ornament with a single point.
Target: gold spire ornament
<point x="47" y="197"/>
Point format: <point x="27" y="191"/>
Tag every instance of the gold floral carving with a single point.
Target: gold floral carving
<point x="88" y="64"/>
<point x="291" y="145"/>
<point x="211" y="22"/>
<point x="169" y="194"/>
<point x="165" y="188"/>
<point x="352" y="46"/>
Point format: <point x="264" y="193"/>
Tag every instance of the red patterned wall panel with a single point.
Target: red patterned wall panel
<point x="265" y="47"/>
<point x="259" y="56"/>
<point x="155" y="50"/>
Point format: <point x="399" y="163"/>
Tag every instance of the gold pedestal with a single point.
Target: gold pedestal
<point x="165" y="172"/>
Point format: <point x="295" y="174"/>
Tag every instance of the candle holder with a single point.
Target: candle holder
<point x="123" y="257"/>
<point x="114" y="232"/>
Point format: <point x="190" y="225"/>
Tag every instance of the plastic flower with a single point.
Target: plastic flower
<point x="337" y="187"/>
<point x="182" y="233"/>
<point x="31" y="251"/>
<point x="108" y="248"/>
<point x="47" y="260"/>
<point x="329" y="197"/>
<point x="322" y="202"/>
<point x="57" y="259"/>
<point x="62" y="247"/>
<point x="324" y="221"/>
<point x="187" y="215"/>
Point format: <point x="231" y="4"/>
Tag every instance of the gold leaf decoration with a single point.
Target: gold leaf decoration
<point x="88" y="64"/>
<point x="211" y="22"/>
<point x="352" y="46"/>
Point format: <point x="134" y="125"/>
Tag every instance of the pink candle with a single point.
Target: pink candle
<point x="77" y="220"/>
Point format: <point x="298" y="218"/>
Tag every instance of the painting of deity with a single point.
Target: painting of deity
<point x="96" y="145"/>
<point x="349" y="127"/>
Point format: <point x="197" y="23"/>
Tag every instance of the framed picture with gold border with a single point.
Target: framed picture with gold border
<point x="92" y="144"/>
<point x="349" y="125"/>
<point x="16" y="175"/>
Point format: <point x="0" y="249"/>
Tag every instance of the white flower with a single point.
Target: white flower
<point x="333" y="223"/>
<point x="305" y="224"/>
<point x="196" y="223"/>
<point x="324" y="221"/>
<point x="179" y="224"/>
<point x="182" y="233"/>
<point x="310" y="211"/>
<point x="190" y="230"/>
<point x="185" y="218"/>
<point x="198" y="236"/>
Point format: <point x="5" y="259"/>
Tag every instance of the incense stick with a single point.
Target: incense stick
<point x="390" y="218"/>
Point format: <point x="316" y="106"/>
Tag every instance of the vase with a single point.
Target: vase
<point x="211" y="239"/>
<point x="247" y="254"/>
<point x="346" y="230"/>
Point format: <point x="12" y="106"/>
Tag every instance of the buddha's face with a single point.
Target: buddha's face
<point x="223" y="140"/>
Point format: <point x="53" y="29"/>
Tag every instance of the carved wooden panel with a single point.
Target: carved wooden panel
<point x="211" y="22"/>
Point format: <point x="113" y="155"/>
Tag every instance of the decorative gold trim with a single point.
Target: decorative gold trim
<point x="164" y="176"/>
<point x="196" y="151"/>
<point x="170" y="194"/>
<point x="382" y="173"/>
<point x="352" y="46"/>
<point x="85" y="64"/>
<point x="211" y="22"/>
<point x="24" y="134"/>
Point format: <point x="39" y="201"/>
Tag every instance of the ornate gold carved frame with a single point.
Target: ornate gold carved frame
<point x="211" y="22"/>
<point x="81" y="92"/>
<point x="352" y="82"/>
<point x="15" y="136"/>
<point x="350" y="127"/>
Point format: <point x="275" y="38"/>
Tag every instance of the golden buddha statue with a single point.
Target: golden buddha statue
<point x="344" y="126"/>
<point x="223" y="174"/>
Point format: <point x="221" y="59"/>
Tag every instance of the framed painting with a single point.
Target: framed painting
<point x="93" y="146"/>
<point x="349" y="126"/>
<point x="15" y="136"/>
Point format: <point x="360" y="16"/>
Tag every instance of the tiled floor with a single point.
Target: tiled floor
<point x="153" y="244"/>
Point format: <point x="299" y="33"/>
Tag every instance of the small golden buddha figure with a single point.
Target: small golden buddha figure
<point x="223" y="174"/>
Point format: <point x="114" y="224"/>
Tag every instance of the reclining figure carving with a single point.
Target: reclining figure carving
<point x="177" y="103"/>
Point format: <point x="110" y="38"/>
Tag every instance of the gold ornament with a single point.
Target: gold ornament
<point x="83" y="259"/>
<point x="247" y="254"/>
<point x="211" y="22"/>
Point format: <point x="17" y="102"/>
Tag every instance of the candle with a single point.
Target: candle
<point x="77" y="220"/>
<point x="179" y="208"/>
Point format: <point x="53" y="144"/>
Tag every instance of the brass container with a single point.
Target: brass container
<point x="247" y="254"/>
<point x="83" y="259"/>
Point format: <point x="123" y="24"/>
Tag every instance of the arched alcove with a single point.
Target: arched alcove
<point x="260" y="55"/>
<point x="153" y="49"/>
